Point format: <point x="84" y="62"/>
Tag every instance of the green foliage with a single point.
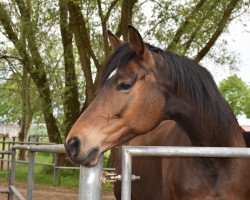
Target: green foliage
<point x="237" y="93"/>
<point x="11" y="100"/>
<point x="169" y="16"/>
<point x="8" y="97"/>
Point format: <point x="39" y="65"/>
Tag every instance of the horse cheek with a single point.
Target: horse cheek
<point x="150" y="112"/>
<point x="156" y="110"/>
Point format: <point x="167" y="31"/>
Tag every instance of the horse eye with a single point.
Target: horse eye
<point x="123" y="86"/>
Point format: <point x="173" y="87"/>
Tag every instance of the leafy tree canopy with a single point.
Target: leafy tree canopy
<point x="237" y="93"/>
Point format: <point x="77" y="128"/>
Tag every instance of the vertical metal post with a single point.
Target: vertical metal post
<point x="3" y="148"/>
<point x="126" y="174"/>
<point x="55" y="168"/>
<point x="8" y="163"/>
<point x="12" y="174"/>
<point x="30" y="175"/>
<point x="90" y="186"/>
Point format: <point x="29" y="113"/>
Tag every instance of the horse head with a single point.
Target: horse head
<point x="130" y="101"/>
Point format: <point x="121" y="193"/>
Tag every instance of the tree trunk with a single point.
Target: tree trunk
<point x="83" y="46"/>
<point x="26" y="111"/>
<point x="71" y="97"/>
<point x="126" y="18"/>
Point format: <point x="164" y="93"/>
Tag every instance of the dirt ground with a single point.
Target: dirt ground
<point x="53" y="193"/>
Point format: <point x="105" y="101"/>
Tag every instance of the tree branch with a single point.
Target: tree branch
<point x="104" y="29"/>
<point x="222" y="24"/>
<point x="198" y="27"/>
<point x="180" y="31"/>
<point x="112" y="5"/>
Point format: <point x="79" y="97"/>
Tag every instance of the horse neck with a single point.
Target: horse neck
<point x="211" y="124"/>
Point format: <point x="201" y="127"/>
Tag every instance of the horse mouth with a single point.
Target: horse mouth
<point x="88" y="160"/>
<point x="91" y="158"/>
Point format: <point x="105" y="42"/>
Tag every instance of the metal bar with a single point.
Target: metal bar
<point x="5" y="190"/>
<point x="27" y="143"/>
<point x="57" y="148"/>
<point x="12" y="174"/>
<point x="50" y="164"/>
<point x="63" y="167"/>
<point x="26" y="162"/>
<point x="16" y="192"/>
<point x="30" y="175"/>
<point x="8" y="157"/>
<point x="5" y="160"/>
<point x="129" y="151"/>
<point x="189" y="151"/>
<point x="126" y="174"/>
<point x="90" y="187"/>
<point x="5" y="152"/>
<point x="36" y="163"/>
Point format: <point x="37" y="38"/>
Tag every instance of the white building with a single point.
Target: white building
<point x="9" y="129"/>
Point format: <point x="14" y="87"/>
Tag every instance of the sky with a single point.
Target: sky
<point x="241" y="43"/>
<point x="238" y="38"/>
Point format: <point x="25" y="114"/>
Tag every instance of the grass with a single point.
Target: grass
<point x="43" y="175"/>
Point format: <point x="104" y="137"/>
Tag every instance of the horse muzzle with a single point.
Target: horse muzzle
<point x="88" y="159"/>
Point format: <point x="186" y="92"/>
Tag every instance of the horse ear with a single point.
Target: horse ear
<point x="136" y="41"/>
<point x="114" y="41"/>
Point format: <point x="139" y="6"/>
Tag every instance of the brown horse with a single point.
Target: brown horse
<point x="141" y="86"/>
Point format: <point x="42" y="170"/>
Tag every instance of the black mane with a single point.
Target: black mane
<point x="212" y="116"/>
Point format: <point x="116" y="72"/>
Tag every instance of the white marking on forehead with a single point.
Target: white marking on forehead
<point x="112" y="73"/>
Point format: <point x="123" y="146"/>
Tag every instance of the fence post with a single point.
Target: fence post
<point x="30" y="175"/>
<point x="55" y="168"/>
<point x="12" y="174"/>
<point x="90" y="186"/>
<point x="8" y="163"/>
<point x="3" y="148"/>
<point x="126" y="174"/>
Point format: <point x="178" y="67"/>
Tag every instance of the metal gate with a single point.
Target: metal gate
<point x="90" y="177"/>
<point x="129" y="151"/>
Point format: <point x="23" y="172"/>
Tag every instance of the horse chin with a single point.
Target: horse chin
<point x="90" y="159"/>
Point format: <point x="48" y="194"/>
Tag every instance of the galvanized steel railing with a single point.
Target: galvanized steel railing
<point x="129" y="151"/>
<point x="32" y="150"/>
<point x="90" y="177"/>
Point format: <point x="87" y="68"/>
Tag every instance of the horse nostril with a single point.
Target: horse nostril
<point x="74" y="146"/>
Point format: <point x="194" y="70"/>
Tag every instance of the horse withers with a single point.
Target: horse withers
<point x="142" y="86"/>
